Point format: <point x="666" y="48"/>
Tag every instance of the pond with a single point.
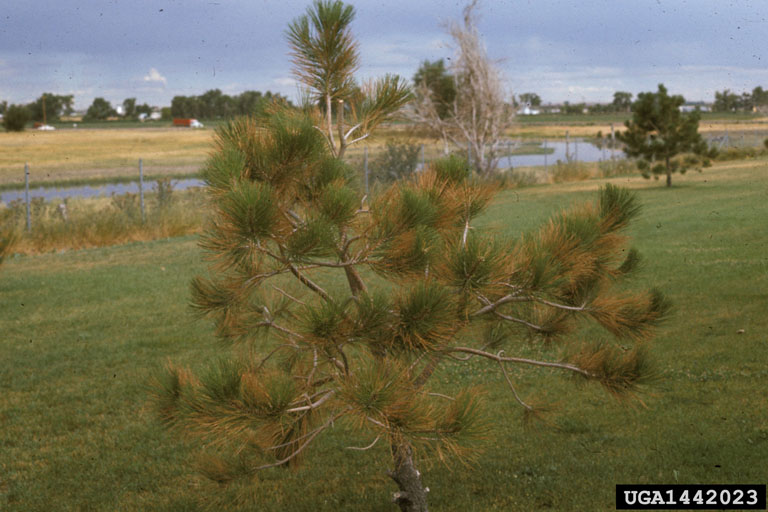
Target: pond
<point x="560" y="150"/>
<point x="106" y="190"/>
<point x="577" y="150"/>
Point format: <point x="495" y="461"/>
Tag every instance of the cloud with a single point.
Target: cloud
<point x="285" y="82"/>
<point x="155" y="76"/>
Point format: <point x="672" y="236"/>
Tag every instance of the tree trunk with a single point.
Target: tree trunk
<point x="669" y="175"/>
<point x="412" y="496"/>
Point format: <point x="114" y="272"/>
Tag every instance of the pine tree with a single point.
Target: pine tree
<point x="340" y="308"/>
<point x="659" y="131"/>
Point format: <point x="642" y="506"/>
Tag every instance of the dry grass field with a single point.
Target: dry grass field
<point x="98" y="153"/>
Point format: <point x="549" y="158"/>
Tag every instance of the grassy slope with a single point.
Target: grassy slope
<point x="83" y="331"/>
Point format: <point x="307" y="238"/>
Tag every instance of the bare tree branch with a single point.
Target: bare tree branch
<point x="365" y="447"/>
<point x="519" y="360"/>
<point x="509" y="381"/>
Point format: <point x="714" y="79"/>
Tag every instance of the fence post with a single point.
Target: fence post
<point x="26" y="196"/>
<point x="365" y="167"/>
<point x="576" y="149"/>
<point x="141" y="190"/>
<point x="567" y="147"/>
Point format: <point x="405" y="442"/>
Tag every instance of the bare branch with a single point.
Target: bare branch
<point x="376" y="422"/>
<point x="365" y="447"/>
<point x="340" y="264"/>
<point x="289" y="296"/>
<point x="273" y="325"/>
<point x="346" y="135"/>
<point x="442" y="396"/>
<point x="273" y="352"/>
<point x="519" y="360"/>
<point x="491" y="306"/>
<point x="358" y="139"/>
<point x="509" y="381"/>
<point x="466" y="232"/>
<point x="314" y="405"/>
<point x="314" y="366"/>
<point x="562" y="306"/>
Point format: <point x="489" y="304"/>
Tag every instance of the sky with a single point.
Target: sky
<point x="576" y="51"/>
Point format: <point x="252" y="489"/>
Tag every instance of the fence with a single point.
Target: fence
<point x="393" y="161"/>
<point x="33" y="199"/>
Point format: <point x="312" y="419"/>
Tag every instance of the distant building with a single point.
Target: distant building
<point x="695" y="105"/>
<point x="154" y="116"/>
<point x="527" y="110"/>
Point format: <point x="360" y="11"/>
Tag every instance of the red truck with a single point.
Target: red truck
<point x="190" y="123"/>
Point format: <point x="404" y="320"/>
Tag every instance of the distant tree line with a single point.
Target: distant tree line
<point x="214" y="104"/>
<point x="727" y="101"/>
<point x="48" y="107"/>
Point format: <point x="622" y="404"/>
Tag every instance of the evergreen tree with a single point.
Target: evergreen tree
<point x="325" y="58"/>
<point x="345" y="307"/>
<point x="659" y="131"/>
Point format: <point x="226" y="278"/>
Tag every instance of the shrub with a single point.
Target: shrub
<point x="569" y="171"/>
<point x="519" y="178"/>
<point x="15" y="118"/>
<point x="398" y="161"/>
<point x="164" y="188"/>
<point x="97" y="222"/>
<point x="609" y="169"/>
<point x="737" y="153"/>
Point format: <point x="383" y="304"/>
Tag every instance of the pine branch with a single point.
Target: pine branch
<point x="491" y="306"/>
<point x="310" y="284"/>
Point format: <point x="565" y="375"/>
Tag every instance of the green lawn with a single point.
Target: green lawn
<point x="82" y="331"/>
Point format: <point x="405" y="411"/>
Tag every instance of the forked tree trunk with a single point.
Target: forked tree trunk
<point x="412" y="496"/>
